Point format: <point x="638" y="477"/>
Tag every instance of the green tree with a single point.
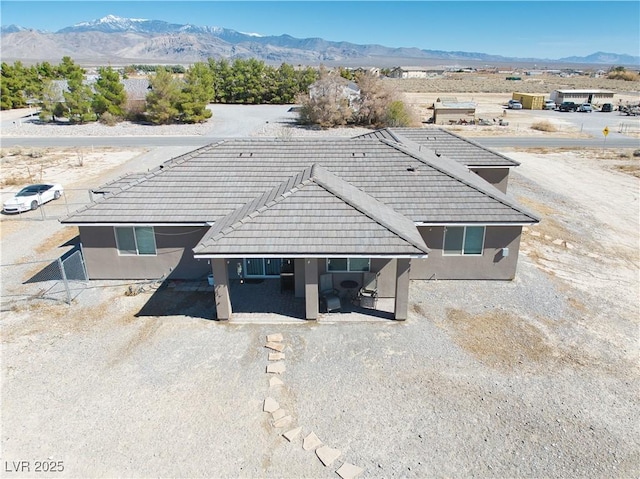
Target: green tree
<point x="50" y="101"/>
<point x="196" y="94"/>
<point x="222" y="80"/>
<point x="68" y="69"/>
<point x="110" y="95"/>
<point x="13" y="78"/>
<point x="163" y="98"/>
<point x="78" y="97"/>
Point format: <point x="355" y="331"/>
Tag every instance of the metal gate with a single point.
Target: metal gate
<point x="60" y="279"/>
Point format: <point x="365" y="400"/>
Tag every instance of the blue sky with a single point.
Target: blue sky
<point x="540" y="29"/>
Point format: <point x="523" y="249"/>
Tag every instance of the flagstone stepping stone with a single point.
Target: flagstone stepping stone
<point x="349" y="471"/>
<point x="276" y="368"/>
<point x="283" y="421"/>
<point x="276" y="338"/>
<point x="275" y="346"/>
<point x="270" y="405"/>
<point x="278" y="414"/>
<point x="311" y="442"/>
<point x="275" y="381"/>
<point x="327" y="455"/>
<point x="292" y="434"/>
<point x="276" y="356"/>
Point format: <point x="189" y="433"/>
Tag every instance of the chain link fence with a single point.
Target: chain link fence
<point x="61" y="279"/>
<point x="626" y="128"/>
<point x="70" y="200"/>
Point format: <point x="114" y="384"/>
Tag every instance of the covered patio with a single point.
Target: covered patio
<point x="314" y="218"/>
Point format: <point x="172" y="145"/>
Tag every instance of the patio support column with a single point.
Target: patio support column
<point x="311" y="288"/>
<point x="401" y="309"/>
<point x="221" y="288"/>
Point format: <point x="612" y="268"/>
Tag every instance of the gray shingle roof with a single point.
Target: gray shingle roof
<point x="462" y="150"/>
<point x="208" y="184"/>
<point x="313" y="212"/>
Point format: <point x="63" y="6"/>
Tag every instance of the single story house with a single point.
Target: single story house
<point x="241" y="208"/>
<point x="491" y="166"/>
<point x="135" y="88"/>
<point x="416" y="72"/>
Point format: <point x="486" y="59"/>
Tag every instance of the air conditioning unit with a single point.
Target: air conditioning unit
<point x="505" y="252"/>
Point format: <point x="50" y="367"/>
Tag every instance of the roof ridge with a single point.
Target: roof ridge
<point x="331" y="183"/>
<point x="496" y="195"/>
<point x="260" y="203"/>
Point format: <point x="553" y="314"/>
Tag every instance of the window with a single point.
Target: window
<point x="348" y="264"/>
<point x="261" y="267"/>
<point x="135" y="240"/>
<point x="463" y="240"/>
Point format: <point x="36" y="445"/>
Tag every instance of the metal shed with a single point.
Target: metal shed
<point x="530" y="101"/>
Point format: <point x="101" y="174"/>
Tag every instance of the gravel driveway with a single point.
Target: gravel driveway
<point x="536" y="377"/>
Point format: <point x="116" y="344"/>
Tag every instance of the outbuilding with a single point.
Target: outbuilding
<point x="530" y="101"/>
<point x="582" y="96"/>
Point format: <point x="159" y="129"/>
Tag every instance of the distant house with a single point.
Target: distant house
<point x="136" y="89"/>
<point x="400" y="203"/>
<point x="415" y="72"/>
<point x="343" y="89"/>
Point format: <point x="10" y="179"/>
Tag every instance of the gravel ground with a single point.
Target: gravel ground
<point x="536" y="377"/>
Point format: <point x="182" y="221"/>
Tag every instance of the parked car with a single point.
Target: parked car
<point x="607" y="107"/>
<point x="568" y="106"/>
<point x="549" y="105"/>
<point x="32" y="196"/>
<point x="585" y="108"/>
<point x="515" y="105"/>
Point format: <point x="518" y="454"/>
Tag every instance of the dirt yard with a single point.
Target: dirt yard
<point x="536" y="377"/>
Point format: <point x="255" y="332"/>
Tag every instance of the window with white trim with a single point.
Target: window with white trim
<point x="348" y="264"/>
<point x="463" y="240"/>
<point x="135" y="240"/>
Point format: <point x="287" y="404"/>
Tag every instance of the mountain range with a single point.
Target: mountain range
<point x="117" y="40"/>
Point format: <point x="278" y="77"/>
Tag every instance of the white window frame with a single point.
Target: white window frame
<point x="464" y="237"/>
<point x="135" y="240"/>
<point x="348" y="270"/>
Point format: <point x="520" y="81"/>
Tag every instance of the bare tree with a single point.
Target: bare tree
<point x="326" y="104"/>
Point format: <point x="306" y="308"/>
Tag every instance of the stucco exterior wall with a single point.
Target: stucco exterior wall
<point x="173" y="258"/>
<point x="492" y="264"/>
<point x="445" y="116"/>
<point x="498" y="177"/>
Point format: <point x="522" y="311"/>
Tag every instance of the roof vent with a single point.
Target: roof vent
<point x="411" y="168"/>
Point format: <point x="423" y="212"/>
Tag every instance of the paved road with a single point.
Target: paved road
<point x="197" y="141"/>
<point x="237" y="121"/>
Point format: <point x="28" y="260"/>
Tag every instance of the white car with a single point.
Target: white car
<point x="32" y="196"/>
<point x="515" y="105"/>
<point x="585" y="107"/>
<point x="549" y="105"/>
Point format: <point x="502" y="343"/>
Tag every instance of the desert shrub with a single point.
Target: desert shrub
<point x="623" y="75"/>
<point x="636" y="153"/>
<point x="544" y="126"/>
<point x="108" y="119"/>
<point x="399" y="114"/>
<point x="15" y="180"/>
